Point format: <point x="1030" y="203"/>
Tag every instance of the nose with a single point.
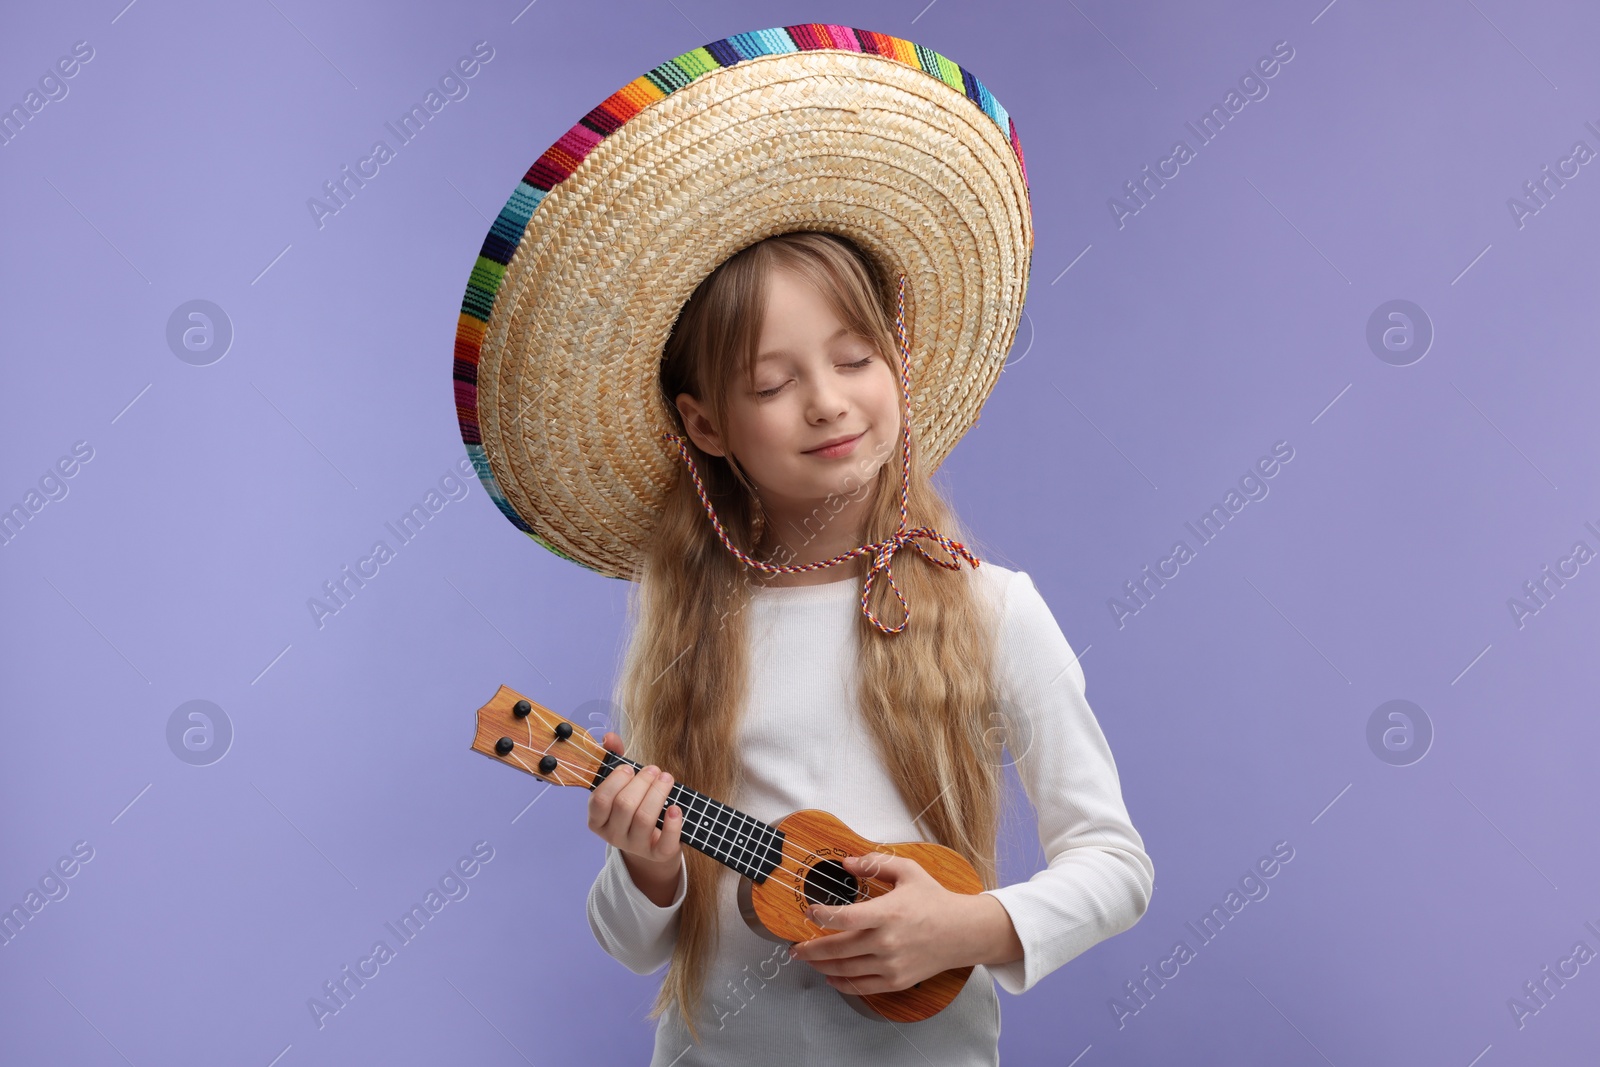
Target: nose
<point x="825" y="399"/>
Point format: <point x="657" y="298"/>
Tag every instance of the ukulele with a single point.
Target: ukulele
<point x="784" y="868"/>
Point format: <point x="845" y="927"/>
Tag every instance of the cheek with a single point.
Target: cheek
<point x="889" y="399"/>
<point x="762" y="434"/>
<point x="890" y="383"/>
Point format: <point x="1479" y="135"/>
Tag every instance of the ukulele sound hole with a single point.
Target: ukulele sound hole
<point x="829" y="883"/>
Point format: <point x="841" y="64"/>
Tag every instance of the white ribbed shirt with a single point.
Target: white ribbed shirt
<point x="804" y="746"/>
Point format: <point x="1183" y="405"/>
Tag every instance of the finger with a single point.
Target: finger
<point x="855" y="916"/>
<point x="642" y="809"/>
<point x="602" y="802"/>
<point x="671" y="829"/>
<point x="632" y="791"/>
<point x="849" y="966"/>
<point x="605" y="794"/>
<point x="622" y="786"/>
<point x="611" y="742"/>
<point x="651" y="807"/>
<point x="619" y="821"/>
<point x="881" y="865"/>
<point x="833" y="947"/>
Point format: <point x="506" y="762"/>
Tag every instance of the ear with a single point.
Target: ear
<point x="697" y="422"/>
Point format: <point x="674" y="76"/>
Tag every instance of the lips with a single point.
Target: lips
<point x="835" y="441"/>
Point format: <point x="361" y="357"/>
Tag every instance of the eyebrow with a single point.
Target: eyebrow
<point x="840" y="332"/>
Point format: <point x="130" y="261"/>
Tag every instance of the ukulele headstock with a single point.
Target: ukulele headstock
<point x="528" y="736"/>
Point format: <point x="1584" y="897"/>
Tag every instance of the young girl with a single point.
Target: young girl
<point x="763" y="672"/>
<point x="685" y="358"/>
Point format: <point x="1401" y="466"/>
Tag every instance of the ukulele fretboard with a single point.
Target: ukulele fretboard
<point x="746" y="844"/>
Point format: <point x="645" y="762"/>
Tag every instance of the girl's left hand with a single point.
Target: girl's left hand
<point x="892" y="942"/>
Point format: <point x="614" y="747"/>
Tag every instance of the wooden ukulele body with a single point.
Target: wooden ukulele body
<point x="775" y="909"/>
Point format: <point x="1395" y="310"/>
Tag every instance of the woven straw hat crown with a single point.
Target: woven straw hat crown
<point x="582" y="275"/>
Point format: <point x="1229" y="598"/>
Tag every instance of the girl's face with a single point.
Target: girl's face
<point x="814" y="384"/>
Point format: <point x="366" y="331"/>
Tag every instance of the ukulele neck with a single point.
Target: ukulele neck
<point x="738" y="841"/>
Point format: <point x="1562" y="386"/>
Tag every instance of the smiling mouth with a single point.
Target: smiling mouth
<point x="836" y="449"/>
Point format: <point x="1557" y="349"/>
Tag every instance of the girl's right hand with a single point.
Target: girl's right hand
<point x="623" y="810"/>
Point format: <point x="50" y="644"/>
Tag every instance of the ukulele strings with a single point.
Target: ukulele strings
<point x="837" y="886"/>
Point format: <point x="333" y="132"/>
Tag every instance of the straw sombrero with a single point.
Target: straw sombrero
<point x="582" y="275"/>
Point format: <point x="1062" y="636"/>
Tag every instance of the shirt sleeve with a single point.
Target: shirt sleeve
<point x="629" y="925"/>
<point x="1098" y="880"/>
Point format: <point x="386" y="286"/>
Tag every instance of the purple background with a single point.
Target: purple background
<point x="1230" y="313"/>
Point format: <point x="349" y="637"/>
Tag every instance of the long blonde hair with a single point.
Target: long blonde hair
<point x="927" y="693"/>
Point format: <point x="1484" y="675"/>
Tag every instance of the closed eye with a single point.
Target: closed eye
<point x="764" y="393"/>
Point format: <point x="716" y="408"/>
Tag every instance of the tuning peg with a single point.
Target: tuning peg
<point x="504" y="746"/>
<point x="548" y="764"/>
<point x="521" y="709"/>
<point x="563" y="730"/>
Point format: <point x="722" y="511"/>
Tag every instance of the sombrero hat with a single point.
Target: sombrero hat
<point x="582" y="275"/>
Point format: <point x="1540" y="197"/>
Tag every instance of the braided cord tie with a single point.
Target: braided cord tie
<point x="882" y="551"/>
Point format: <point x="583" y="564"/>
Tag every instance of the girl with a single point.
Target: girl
<point x="763" y="671"/>
<point x="684" y="359"/>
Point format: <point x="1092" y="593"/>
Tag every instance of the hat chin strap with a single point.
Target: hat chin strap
<point x="882" y="551"/>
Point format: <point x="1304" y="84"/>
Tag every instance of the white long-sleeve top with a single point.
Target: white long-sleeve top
<point x="804" y="746"/>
